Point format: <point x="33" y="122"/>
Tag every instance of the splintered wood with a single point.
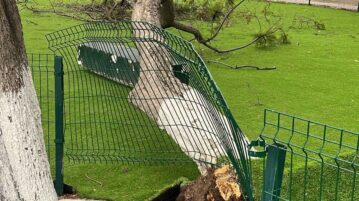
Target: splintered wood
<point x="226" y="183"/>
<point x="218" y="185"/>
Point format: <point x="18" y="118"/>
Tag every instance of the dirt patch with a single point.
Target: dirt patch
<point x="170" y="194"/>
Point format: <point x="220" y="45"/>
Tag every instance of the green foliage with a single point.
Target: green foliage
<point x="283" y="39"/>
<point x="248" y="16"/>
<point x="266" y="39"/>
<point x="272" y="38"/>
<point x="270" y="23"/>
<point x="202" y="9"/>
<point x="300" y="22"/>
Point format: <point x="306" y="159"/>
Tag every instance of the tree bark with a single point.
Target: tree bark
<point x="157" y="81"/>
<point x="186" y="115"/>
<point x="24" y="168"/>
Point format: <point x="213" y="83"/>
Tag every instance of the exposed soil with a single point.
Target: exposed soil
<point x="169" y="194"/>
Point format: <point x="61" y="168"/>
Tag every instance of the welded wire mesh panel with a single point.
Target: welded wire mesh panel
<point x="135" y="93"/>
<point x="321" y="162"/>
<point x="42" y="69"/>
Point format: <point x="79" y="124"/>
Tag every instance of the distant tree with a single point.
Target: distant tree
<point x="24" y="167"/>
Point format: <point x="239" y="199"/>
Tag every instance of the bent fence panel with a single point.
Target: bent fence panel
<point x="105" y="121"/>
<point x="305" y="160"/>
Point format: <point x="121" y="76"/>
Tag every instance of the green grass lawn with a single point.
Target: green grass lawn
<point x="316" y="74"/>
<point x="316" y="77"/>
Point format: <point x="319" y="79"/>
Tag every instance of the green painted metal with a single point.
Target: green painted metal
<point x="273" y="173"/>
<point x="101" y="67"/>
<point x="180" y="73"/>
<point x="119" y="63"/>
<point x="107" y="61"/>
<point x="253" y="146"/>
<point x="320" y="161"/>
<point x="59" y="116"/>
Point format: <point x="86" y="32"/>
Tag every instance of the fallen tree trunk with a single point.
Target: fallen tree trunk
<point x="157" y="81"/>
<point x="185" y="113"/>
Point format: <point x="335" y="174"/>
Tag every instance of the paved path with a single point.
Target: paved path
<point x="75" y="199"/>
<point x="340" y="4"/>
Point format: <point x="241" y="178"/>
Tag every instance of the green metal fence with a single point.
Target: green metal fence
<point x="83" y="94"/>
<point x="101" y="66"/>
<point x="306" y="160"/>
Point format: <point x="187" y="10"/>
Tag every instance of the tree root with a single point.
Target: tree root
<point x="218" y="185"/>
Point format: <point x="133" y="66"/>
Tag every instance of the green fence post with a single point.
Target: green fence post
<point x="59" y="132"/>
<point x="273" y="174"/>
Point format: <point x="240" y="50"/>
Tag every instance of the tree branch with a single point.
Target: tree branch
<point x="232" y="49"/>
<point x="199" y="37"/>
<point x="241" y="67"/>
<point x="224" y="20"/>
<point x="189" y="29"/>
<point x="56" y="12"/>
<point x="197" y="34"/>
<point x="93" y="180"/>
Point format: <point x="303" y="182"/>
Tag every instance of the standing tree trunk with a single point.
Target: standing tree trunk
<point x="24" y="168"/>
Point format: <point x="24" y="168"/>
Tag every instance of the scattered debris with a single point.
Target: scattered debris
<point x="241" y="67"/>
<point x="94" y="180"/>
